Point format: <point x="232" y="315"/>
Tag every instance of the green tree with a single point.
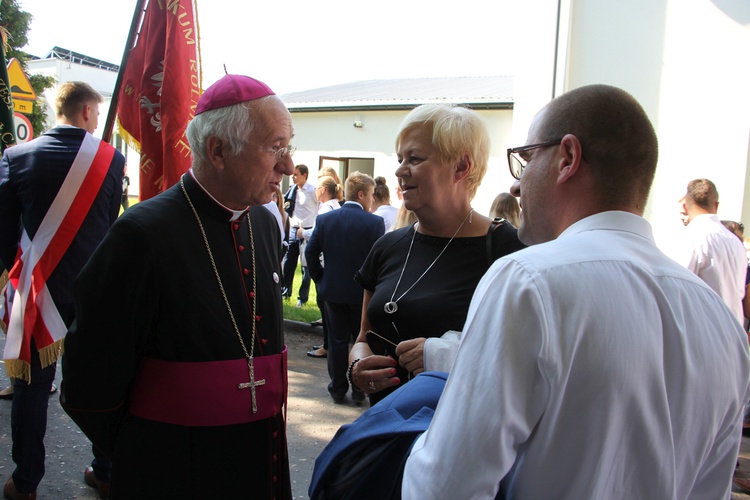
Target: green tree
<point x="17" y="22"/>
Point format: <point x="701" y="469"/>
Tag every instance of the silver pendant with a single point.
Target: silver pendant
<point x="390" y="307"/>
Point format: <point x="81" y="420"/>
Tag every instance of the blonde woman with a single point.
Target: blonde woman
<point x="419" y="279"/>
<point x="331" y="172"/>
<point x="506" y="207"/>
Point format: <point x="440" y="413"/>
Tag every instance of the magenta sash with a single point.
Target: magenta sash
<point x="207" y="393"/>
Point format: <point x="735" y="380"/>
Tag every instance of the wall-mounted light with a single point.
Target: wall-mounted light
<point x="358" y="123"/>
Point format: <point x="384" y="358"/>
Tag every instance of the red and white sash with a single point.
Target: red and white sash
<point x="33" y="313"/>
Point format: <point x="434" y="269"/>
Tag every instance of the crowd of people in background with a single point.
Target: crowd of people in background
<point x="577" y="359"/>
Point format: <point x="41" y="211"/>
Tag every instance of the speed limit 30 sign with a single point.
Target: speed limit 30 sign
<point x="24" y="132"/>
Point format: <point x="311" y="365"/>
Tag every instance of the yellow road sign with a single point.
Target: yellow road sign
<point x="20" y="86"/>
<point x="25" y="107"/>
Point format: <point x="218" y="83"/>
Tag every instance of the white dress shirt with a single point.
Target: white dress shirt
<point x="389" y="214"/>
<point x="273" y="207"/>
<point x="591" y="366"/>
<point x="305" y="207"/>
<point x="718" y="257"/>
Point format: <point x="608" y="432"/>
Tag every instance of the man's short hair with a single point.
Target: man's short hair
<point x="617" y="139"/>
<point x="73" y="96"/>
<point x="702" y="193"/>
<point x="302" y="169"/>
<point x="356" y="182"/>
<point x="456" y="131"/>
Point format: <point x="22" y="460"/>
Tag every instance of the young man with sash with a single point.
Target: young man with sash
<point x="59" y="194"/>
<point x="176" y="364"/>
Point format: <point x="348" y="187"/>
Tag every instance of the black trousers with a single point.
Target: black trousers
<point x="343" y="327"/>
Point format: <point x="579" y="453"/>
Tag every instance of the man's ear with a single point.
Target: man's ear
<point x="215" y="151"/>
<point x="571" y="156"/>
<point x="463" y="167"/>
<point x="86" y="113"/>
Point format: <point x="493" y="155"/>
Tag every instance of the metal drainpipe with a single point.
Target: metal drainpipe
<point x="557" y="46"/>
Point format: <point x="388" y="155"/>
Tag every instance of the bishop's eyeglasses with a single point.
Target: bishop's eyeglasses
<point x="281" y="153"/>
<point x="519" y="157"/>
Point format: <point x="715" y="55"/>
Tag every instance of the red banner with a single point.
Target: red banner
<point x="160" y="89"/>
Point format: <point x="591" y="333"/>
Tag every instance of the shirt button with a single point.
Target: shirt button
<point x="275" y="434"/>
<point x="246" y="271"/>
<point x="264" y="341"/>
<point x="258" y="318"/>
<point x="236" y="226"/>
<point x="242" y="249"/>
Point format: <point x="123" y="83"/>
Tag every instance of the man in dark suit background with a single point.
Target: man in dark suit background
<point x="64" y="190"/>
<point x="344" y="238"/>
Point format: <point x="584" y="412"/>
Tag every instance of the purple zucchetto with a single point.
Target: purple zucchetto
<point x="232" y="89"/>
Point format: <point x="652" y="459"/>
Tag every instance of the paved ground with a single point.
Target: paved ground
<point x="312" y="420"/>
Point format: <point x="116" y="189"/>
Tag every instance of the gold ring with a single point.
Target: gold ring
<point x="372" y="385"/>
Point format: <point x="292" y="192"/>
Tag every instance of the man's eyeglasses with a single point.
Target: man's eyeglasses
<point x="517" y="157"/>
<point x="282" y="153"/>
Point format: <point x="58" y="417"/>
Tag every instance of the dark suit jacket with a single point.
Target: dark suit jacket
<point x="344" y="237"/>
<point x="30" y="177"/>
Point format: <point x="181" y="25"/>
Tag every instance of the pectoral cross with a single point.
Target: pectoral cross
<point x="252" y="384"/>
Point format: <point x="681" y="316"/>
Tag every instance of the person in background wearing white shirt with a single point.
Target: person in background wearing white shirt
<point x="328" y="193"/>
<point x="713" y="252"/>
<point x="381" y="204"/>
<point x="592" y="365"/>
<point x="276" y="207"/>
<point x="302" y="213"/>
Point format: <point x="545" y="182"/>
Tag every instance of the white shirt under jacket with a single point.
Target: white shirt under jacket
<point x="592" y="366"/>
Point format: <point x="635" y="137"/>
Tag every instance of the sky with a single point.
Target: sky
<point x="300" y="44"/>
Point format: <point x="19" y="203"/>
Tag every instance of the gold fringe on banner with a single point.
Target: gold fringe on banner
<point x="129" y="139"/>
<point x="17" y="368"/>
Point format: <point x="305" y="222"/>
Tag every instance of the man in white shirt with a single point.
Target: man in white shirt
<point x="592" y="365"/>
<point x="302" y="216"/>
<point x="714" y="253"/>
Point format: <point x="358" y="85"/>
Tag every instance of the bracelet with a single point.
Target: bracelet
<point x="349" y="375"/>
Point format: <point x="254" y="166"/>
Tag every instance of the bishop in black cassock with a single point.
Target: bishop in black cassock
<point x="150" y="366"/>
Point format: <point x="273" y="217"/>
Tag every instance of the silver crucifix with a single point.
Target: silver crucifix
<point x="252" y="384"/>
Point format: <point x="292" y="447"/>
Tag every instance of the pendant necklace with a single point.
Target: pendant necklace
<point x="248" y="355"/>
<point x="391" y="306"/>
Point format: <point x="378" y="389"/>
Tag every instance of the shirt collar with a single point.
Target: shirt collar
<point x="354" y="203"/>
<point x="236" y="214"/>
<point x="612" y="220"/>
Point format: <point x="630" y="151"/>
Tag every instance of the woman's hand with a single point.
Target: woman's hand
<point x="374" y="373"/>
<point x="411" y="355"/>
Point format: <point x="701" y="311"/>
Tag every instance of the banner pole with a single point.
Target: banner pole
<point x="137" y="18"/>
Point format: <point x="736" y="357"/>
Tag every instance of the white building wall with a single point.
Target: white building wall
<point x="686" y="61"/>
<point x="333" y="134"/>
